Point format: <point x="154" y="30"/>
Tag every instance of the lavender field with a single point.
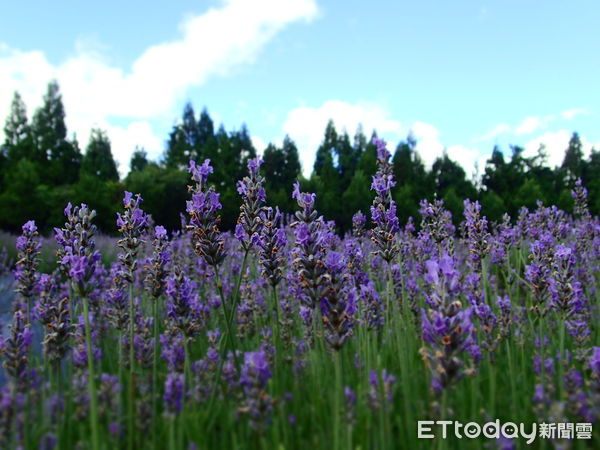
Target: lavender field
<point x="286" y="335"/>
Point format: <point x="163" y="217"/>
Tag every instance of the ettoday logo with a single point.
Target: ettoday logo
<point x="430" y="429"/>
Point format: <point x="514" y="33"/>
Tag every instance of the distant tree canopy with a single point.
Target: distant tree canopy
<point x="41" y="169"/>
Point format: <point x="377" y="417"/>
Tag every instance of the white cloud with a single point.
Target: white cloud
<point x="211" y="44"/>
<point x="429" y="147"/>
<point x="530" y="125"/>
<point x="501" y="128"/>
<point x="306" y="125"/>
<point x="259" y="144"/>
<point x="555" y="143"/>
<point x="572" y="113"/>
<point x="125" y="139"/>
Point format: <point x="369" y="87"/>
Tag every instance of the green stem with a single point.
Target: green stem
<point x="389" y="289"/>
<point x="278" y="346"/>
<point x="513" y="387"/>
<point x="442" y="443"/>
<point x="236" y="293"/>
<point x="91" y="378"/>
<point x="131" y="392"/>
<point x="172" y="445"/>
<point x="226" y="313"/>
<point x="337" y="404"/>
<point x="186" y="364"/>
<point x="154" y="372"/>
<point x="492" y="379"/>
<point x="561" y="362"/>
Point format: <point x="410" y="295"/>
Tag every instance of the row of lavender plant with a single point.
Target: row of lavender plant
<point x="286" y="334"/>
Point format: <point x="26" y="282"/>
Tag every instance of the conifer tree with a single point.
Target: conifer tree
<point x="98" y="160"/>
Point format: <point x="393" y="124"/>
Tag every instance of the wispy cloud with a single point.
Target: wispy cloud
<point x="572" y="113"/>
<point x="306" y="125"/>
<point x="209" y="45"/>
<point x="555" y="143"/>
<point x="430" y="147"/>
<point x="529" y="125"/>
<point x="500" y="129"/>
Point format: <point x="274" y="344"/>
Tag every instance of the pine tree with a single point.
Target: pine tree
<point x="324" y="152"/>
<point x="274" y="167"/>
<point x="50" y="139"/>
<point x="573" y="161"/>
<point x="139" y="160"/>
<point x="292" y="168"/>
<point x="206" y="129"/>
<point x="18" y="142"/>
<point x="184" y="140"/>
<point x="347" y="158"/>
<point x="98" y="160"/>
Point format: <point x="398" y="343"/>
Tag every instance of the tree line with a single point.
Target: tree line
<point x="41" y="169"/>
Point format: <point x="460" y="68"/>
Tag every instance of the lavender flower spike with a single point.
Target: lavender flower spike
<point x="28" y="248"/>
<point x="254" y="196"/>
<point x="448" y="332"/>
<point x="383" y="210"/>
<point x="309" y="247"/>
<point x="132" y="225"/>
<point x="204" y="219"/>
<point x="254" y="376"/>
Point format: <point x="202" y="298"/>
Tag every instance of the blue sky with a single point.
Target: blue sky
<point x="461" y="76"/>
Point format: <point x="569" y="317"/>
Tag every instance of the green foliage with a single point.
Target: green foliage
<point x="98" y="160"/>
<point x="529" y="193"/>
<point x="281" y="168"/>
<point x="20" y="202"/>
<point x="493" y="206"/>
<point x="41" y="170"/>
<point x="139" y="160"/>
<point x="358" y="196"/>
<point x="50" y="140"/>
<point x="164" y="192"/>
<point x="102" y="195"/>
<point x="18" y="138"/>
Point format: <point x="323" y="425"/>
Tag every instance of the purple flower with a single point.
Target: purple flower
<point x="383" y="210"/>
<point x="173" y="396"/>
<point x="255" y="369"/>
<point x="305" y="200"/>
<point x="374" y="306"/>
<point x="184" y="310"/>
<point x="16" y="351"/>
<point x="334" y="261"/>
<point x="271" y="243"/>
<point x="254" y="376"/>
<point x="29" y="227"/>
<point x="381" y="391"/>
<point x="358" y="224"/>
<point x="382" y="184"/>
<point x="160" y="232"/>
<point x="208" y="240"/>
<point x="478" y="237"/>
<point x="78" y="267"/>
<point x="28" y="246"/>
<point x="127" y="198"/>
<point x="382" y="152"/>
<point x="239" y="232"/>
<point x="594" y="361"/>
<point x="350" y="395"/>
<point x="200" y="173"/>
<point x="254" y="165"/>
<point x="173" y="351"/>
<point x="447" y="328"/>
